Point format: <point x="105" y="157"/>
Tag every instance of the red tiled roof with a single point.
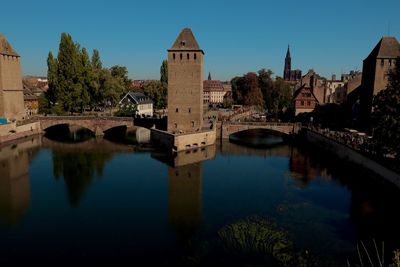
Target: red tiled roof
<point x="212" y="85"/>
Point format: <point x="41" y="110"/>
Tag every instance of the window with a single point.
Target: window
<point x="187" y="55"/>
<point x="190" y="110"/>
<point x="390" y="62"/>
<point x="180" y="55"/>
<point x="195" y="56"/>
<point x="308" y="103"/>
<point x="175" y="125"/>
<point x="177" y="110"/>
<point x="301" y="103"/>
<point x="193" y="124"/>
<point x="382" y="62"/>
<point x="173" y="56"/>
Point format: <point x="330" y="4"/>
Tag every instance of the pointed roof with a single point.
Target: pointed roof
<point x="209" y="76"/>
<point x="288" y="51"/>
<point x="388" y="47"/>
<point x="186" y="42"/>
<point x="6" y="48"/>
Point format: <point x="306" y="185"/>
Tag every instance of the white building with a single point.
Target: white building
<point x="143" y="103"/>
<point x="214" y="91"/>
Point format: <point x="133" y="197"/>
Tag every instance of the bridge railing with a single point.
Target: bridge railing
<point x="263" y="123"/>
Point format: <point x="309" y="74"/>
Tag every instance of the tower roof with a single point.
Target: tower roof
<point x="186" y="42"/>
<point x="388" y="47"/>
<point x="6" y="48"/>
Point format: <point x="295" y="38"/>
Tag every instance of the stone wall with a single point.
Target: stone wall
<point x="11" y="89"/>
<point x="10" y="131"/>
<point x="351" y="155"/>
<point x="180" y="142"/>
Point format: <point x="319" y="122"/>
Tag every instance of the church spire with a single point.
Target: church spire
<point x="288" y="52"/>
<point x="288" y="66"/>
<point x="209" y="76"/>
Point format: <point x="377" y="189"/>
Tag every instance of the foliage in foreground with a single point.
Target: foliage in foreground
<point x="259" y="236"/>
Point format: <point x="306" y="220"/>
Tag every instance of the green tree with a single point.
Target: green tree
<point x="164" y="72"/>
<point x="52" y="69"/>
<point x="251" y="91"/>
<point x="386" y="114"/>
<point x="266" y="85"/>
<point x="121" y="73"/>
<point x="96" y="62"/>
<point x="157" y="91"/>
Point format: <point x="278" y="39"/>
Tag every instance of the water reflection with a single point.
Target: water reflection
<point x="15" y="189"/>
<point x="80" y="163"/>
<point x="185" y="176"/>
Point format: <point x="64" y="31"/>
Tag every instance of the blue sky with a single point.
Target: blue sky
<point x="237" y="36"/>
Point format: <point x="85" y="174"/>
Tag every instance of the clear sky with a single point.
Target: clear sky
<point x="237" y="36"/>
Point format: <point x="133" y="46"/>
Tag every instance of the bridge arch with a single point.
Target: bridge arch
<point x="284" y="128"/>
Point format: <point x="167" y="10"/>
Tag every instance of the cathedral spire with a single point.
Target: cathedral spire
<point x="288" y="52"/>
<point x="209" y="76"/>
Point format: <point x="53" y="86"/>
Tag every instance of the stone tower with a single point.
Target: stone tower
<point x="376" y="67"/>
<point x="11" y="89"/>
<point x="288" y="66"/>
<point x="185" y="84"/>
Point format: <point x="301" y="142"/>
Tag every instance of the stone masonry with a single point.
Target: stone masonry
<point x="185" y="84"/>
<point x="11" y="89"/>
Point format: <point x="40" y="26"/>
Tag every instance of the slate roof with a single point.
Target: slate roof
<point x="140" y="98"/>
<point x="388" y="47"/>
<point x="6" y="48"/>
<point x="186" y="42"/>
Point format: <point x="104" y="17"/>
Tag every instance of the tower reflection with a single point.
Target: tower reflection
<point x="15" y="191"/>
<point x="185" y="191"/>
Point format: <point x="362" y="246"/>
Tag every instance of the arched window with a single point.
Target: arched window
<point x="177" y="110"/>
<point x="173" y="56"/>
<point x="180" y="56"/>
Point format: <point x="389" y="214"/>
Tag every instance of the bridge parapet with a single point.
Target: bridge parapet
<point x="98" y="125"/>
<point x="227" y="129"/>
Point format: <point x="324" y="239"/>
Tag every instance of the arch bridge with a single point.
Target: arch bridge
<point x="98" y="125"/>
<point x="228" y="128"/>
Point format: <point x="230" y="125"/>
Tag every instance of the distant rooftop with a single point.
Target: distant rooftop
<point x="6" y="48"/>
<point x="186" y="41"/>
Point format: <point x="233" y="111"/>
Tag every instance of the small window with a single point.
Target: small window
<point x="195" y="56"/>
<point x="177" y="110"/>
<point x="390" y="62"/>
<point x="175" y="125"/>
<point x="190" y="110"/>
<point x="382" y="62"/>
<point x="308" y="103"/>
<point x="187" y="55"/>
<point x="173" y="56"/>
<point x="180" y="56"/>
<point x="193" y="124"/>
<point x="302" y="103"/>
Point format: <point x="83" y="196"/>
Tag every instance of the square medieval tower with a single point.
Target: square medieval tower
<point x="185" y="84"/>
<point x="11" y="89"/>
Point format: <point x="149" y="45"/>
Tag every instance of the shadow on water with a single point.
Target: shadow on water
<point x="258" y="138"/>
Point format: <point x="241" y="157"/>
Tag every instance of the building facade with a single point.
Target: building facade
<point x="214" y="91"/>
<point x="11" y="89"/>
<point x="316" y="83"/>
<point x="376" y="67"/>
<point x="185" y="84"/>
<point x="304" y="100"/>
<point x="143" y="103"/>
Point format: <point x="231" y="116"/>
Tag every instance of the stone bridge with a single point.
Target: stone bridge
<point x="98" y="125"/>
<point x="227" y="128"/>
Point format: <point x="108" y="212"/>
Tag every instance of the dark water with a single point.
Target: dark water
<point x="98" y="203"/>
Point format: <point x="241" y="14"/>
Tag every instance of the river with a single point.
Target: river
<point x="101" y="203"/>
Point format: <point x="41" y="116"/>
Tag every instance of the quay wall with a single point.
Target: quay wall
<point x="351" y="155"/>
<point x="181" y="142"/>
<point x="10" y="131"/>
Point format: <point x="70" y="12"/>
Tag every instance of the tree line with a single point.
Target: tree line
<point x="77" y="83"/>
<point x="261" y="90"/>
